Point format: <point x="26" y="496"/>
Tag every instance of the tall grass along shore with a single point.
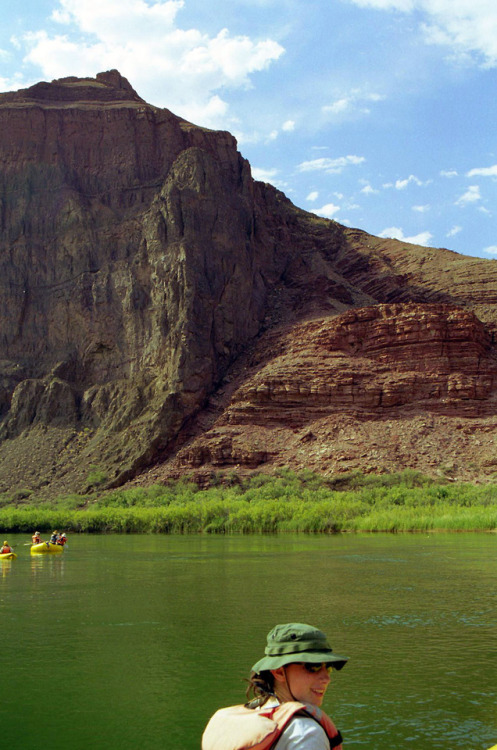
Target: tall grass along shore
<point x="305" y="502"/>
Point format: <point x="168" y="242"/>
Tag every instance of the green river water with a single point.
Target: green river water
<point x="128" y="642"/>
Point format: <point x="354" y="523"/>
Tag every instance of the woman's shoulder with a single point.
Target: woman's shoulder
<point x="303" y="729"/>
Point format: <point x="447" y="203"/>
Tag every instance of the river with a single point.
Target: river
<point x="132" y="642"/>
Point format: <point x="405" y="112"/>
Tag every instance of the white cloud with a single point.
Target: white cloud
<point x="212" y="111"/>
<point x="483" y="172"/>
<point x="402" y="184"/>
<point x="472" y="195"/>
<point x="288" y="126"/>
<point x="491" y="250"/>
<point x="395" y="233"/>
<point x="313" y="196"/>
<point x="327" y="211"/>
<point x="353" y="103"/>
<point x="421" y="209"/>
<point x="455" y="230"/>
<point x="340" y="105"/>
<point x="403" y="5"/>
<point x="468" y="27"/>
<point x="190" y="68"/>
<point x="448" y="173"/>
<point x="11" y="84"/>
<point x="369" y="190"/>
<point x="330" y="166"/>
<point x="264" y="175"/>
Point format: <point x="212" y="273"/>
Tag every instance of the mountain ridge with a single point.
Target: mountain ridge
<point x="152" y="292"/>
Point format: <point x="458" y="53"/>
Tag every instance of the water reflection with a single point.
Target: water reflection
<point x="6" y="567"/>
<point x="51" y="564"/>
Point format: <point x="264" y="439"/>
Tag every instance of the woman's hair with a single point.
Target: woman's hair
<point x="260" y="688"/>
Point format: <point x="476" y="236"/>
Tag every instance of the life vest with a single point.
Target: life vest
<point x="5" y="549"/>
<point x="243" y="728"/>
<point x="36" y="539"/>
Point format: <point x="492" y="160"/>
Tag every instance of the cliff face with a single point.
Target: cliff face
<point x="159" y="307"/>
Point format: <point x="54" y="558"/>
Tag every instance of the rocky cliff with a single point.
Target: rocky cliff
<point x="161" y="313"/>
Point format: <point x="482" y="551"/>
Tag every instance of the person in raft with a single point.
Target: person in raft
<point x="6" y="548"/>
<point x="36" y="538"/>
<point x="287" y="686"/>
<point x="62" y="539"/>
<point x="54" y="538"/>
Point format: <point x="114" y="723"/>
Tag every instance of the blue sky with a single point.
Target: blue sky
<point x="377" y="113"/>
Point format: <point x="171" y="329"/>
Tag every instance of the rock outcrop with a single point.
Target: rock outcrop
<point x="159" y="308"/>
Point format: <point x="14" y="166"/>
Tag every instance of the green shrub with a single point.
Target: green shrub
<point x="287" y="501"/>
<point x="96" y="477"/>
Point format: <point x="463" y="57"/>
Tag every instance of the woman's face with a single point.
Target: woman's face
<point x="296" y="682"/>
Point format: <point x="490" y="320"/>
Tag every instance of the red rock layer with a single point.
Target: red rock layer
<point x="155" y="300"/>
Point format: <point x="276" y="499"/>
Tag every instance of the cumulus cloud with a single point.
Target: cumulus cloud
<point x="483" y="172"/>
<point x="491" y="250"/>
<point x="448" y="173"/>
<point x="264" y="175"/>
<point x="328" y="165"/>
<point x="455" y="230"/>
<point x="468" y="27"/>
<point x="191" y="68"/>
<point x="421" y="209"/>
<point x="327" y="211"/>
<point x="395" y="233"/>
<point x="472" y="195"/>
<point x="288" y="126"/>
<point x="11" y="84"/>
<point x="313" y="196"/>
<point x="402" y="184"/>
<point x="369" y="190"/>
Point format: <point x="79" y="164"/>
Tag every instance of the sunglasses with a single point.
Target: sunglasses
<point x="315" y="668"/>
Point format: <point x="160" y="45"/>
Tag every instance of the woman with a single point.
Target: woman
<point x="295" y="670"/>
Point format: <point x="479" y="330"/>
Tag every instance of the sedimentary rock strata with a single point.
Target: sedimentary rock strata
<point x="160" y="308"/>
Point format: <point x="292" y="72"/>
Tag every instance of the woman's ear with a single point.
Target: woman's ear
<point x="279" y="674"/>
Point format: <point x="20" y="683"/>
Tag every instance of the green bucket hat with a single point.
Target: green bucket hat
<point x="296" y="642"/>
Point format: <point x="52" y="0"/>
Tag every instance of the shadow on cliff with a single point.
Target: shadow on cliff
<point x="152" y="291"/>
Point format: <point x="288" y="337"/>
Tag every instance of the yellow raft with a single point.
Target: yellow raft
<point x="46" y="548"/>
<point x="8" y="556"/>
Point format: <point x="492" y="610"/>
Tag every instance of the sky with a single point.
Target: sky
<point x="376" y="113"/>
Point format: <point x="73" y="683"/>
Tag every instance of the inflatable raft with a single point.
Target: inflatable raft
<point x="8" y="556"/>
<point x="46" y="548"/>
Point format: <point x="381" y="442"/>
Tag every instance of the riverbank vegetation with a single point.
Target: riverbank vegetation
<point x="287" y="501"/>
